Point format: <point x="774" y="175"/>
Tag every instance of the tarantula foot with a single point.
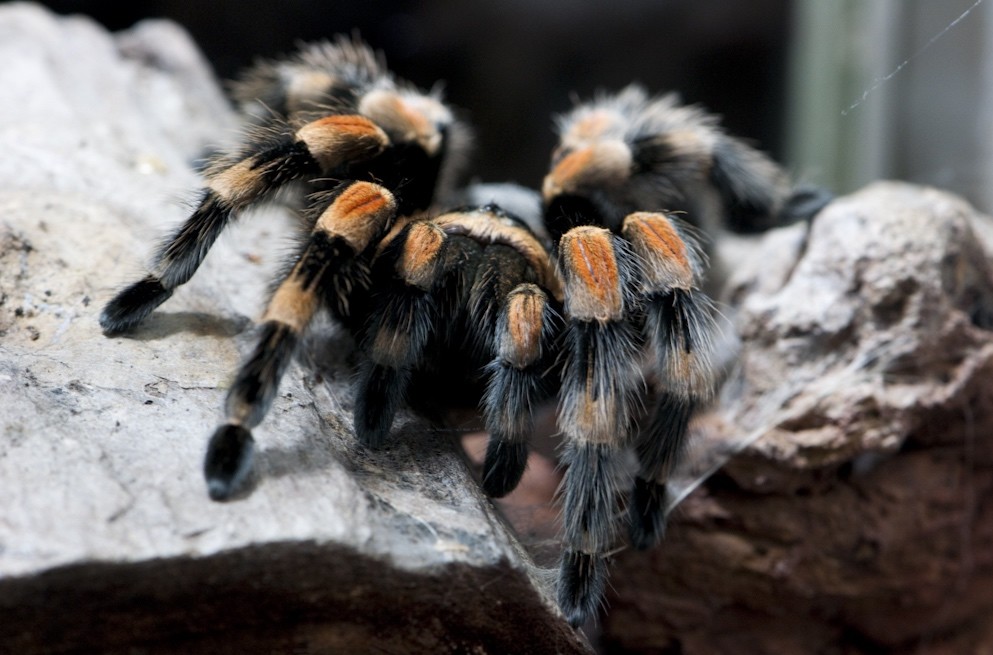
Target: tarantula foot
<point x="503" y="467"/>
<point x="582" y="581"/>
<point x="381" y="391"/>
<point x="130" y="307"/>
<point x="228" y="461"/>
<point x="804" y="203"/>
<point x="648" y="516"/>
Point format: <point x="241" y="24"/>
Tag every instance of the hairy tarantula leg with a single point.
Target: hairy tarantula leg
<point x="804" y="203"/>
<point x="659" y="448"/>
<point x="598" y="398"/>
<point x="360" y="213"/>
<point x="588" y="515"/>
<point x="323" y="144"/>
<point x="679" y="326"/>
<point x="752" y="187"/>
<point x="522" y="339"/>
<point x="398" y="329"/>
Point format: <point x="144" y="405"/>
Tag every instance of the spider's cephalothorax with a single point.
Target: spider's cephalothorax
<point x="632" y="152"/>
<point x="598" y="303"/>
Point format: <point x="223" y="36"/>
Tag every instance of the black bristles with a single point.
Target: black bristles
<point x="680" y="325"/>
<point x="660" y="445"/>
<point x="392" y="169"/>
<point x="590" y="496"/>
<point x="601" y="368"/>
<point x="804" y="203"/>
<point x="511" y="395"/>
<point x="341" y="274"/>
<point x="582" y="582"/>
<point x="284" y="163"/>
<point x="750" y="185"/>
<point x="508" y="405"/>
<point x="130" y="307"/>
<point x="501" y="269"/>
<point x="647" y="513"/>
<point x="258" y="379"/>
<point x="181" y="256"/>
<point x="504" y="465"/>
<point x="228" y="461"/>
<point x="567" y="211"/>
<point x="379" y="392"/>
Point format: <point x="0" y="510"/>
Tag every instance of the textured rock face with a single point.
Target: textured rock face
<point x="858" y="516"/>
<point x="107" y="539"/>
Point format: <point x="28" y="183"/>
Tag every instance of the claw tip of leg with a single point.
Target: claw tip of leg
<point x="647" y="513"/>
<point x="228" y="461"/>
<point x="129" y="307"/>
<point x="218" y="489"/>
<point x="582" y="582"/>
<point x="503" y="467"/>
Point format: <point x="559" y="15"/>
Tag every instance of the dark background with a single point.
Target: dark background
<point x="509" y="65"/>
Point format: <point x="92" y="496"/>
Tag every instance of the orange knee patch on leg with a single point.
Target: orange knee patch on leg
<point x="362" y="211"/>
<point x="335" y="140"/>
<point x="418" y="264"/>
<point x="663" y="252"/>
<point x="593" y="284"/>
<point x="521" y="342"/>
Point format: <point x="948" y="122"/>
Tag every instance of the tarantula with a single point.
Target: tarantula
<point x="596" y="302"/>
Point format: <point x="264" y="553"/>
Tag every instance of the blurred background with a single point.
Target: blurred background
<point x="842" y="91"/>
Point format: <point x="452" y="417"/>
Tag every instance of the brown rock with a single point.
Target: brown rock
<point x="857" y="514"/>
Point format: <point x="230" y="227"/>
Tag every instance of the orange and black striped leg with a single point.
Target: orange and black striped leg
<point x="678" y="325"/>
<point x="360" y="213"/>
<point x="600" y="390"/>
<point x="399" y="328"/>
<point x="321" y="145"/>
<point x="516" y="383"/>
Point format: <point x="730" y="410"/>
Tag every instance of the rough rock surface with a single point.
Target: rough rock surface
<point x="858" y="515"/>
<point x="108" y="542"/>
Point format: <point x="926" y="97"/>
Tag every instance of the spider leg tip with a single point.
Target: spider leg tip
<point x="372" y="431"/>
<point x="647" y="514"/>
<point x="130" y="307"/>
<point x="646" y="535"/>
<point x="218" y="491"/>
<point x="582" y="583"/>
<point x="228" y="461"/>
<point x="503" y="467"/>
<point x="380" y="392"/>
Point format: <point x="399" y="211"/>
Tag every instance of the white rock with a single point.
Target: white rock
<point x="105" y="522"/>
